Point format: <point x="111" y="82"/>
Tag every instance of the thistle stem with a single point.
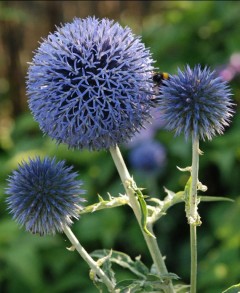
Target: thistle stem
<point x="193" y="239"/>
<point x="193" y="213"/>
<point x="150" y="241"/>
<point x="89" y="260"/>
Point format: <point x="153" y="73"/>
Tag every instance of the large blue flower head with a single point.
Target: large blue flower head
<point x="196" y="102"/>
<point x="90" y="84"/>
<point x="149" y="156"/>
<point x="44" y="195"/>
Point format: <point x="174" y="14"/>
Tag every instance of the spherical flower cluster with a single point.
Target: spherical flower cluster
<point x="44" y="195"/>
<point x="196" y="102"/>
<point x="90" y="84"/>
<point x="149" y="156"/>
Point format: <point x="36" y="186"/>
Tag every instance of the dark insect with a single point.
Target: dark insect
<point x="158" y="77"/>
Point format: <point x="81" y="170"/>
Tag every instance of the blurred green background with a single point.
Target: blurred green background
<point x="178" y="33"/>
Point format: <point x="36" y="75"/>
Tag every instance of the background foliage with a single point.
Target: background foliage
<point x="178" y="32"/>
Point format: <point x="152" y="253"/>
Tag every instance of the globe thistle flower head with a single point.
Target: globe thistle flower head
<point x="44" y="195"/>
<point x="148" y="156"/>
<point x="90" y="84"/>
<point x="196" y="102"/>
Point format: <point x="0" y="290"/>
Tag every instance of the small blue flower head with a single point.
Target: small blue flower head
<point x="90" y="84"/>
<point x="149" y="156"/>
<point x="196" y="102"/>
<point x="44" y="195"/>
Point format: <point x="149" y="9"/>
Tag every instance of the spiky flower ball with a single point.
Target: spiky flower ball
<point x="90" y="84"/>
<point x="196" y="102"/>
<point x="44" y="195"/>
<point x="148" y="156"/>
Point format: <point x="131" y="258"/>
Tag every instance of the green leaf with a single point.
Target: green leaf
<point x="135" y="286"/>
<point x="143" y="206"/>
<point x="233" y="289"/>
<point x="182" y="288"/>
<point x="215" y="198"/>
<point x="106" y="204"/>
<point x="105" y="264"/>
<point x="153" y="276"/>
<point x="132" y="286"/>
<point x="100" y="286"/>
<point x="123" y="260"/>
<point x="144" y="282"/>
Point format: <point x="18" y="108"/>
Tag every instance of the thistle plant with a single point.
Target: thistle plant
<point x="90" y="86"/>
<point x="197" y="103"/>
<point x="44" y="196"/>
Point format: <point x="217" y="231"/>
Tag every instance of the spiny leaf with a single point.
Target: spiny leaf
<point x="215" y="198"/>
<point x="186" y="169"/>
<point x="105" y="264"/>
<point x="113" y="202"/>
<point x="136" y="267"/>
<point x="143" y="206"/>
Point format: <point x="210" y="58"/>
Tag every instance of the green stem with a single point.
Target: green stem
<point x="194" y="219"/>
<point x="90" y="261"/>
<point x="193" y="239"/>
<point x="150" y="241"/>
<point x="193" y="213"/>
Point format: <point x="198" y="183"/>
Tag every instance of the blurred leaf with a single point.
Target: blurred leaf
<point x="8" y="232"/>
<point x="23" y="259"/>
<point x="233" y="289"/>
<point x="104" y="225"/>
<point x="10" y="13"/>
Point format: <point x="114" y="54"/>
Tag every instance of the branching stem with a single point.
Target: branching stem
<point x="150" y="241"/>
<point x="89" y="260"/>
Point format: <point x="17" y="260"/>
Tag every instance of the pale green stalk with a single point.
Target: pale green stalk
<point x="194" y="219"/>
<point x="193" y="240"/>
<point x="89" y="260"/>
<point x="150" y="241"/>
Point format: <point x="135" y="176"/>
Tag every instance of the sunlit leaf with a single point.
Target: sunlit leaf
<point x="233" y="289"/>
